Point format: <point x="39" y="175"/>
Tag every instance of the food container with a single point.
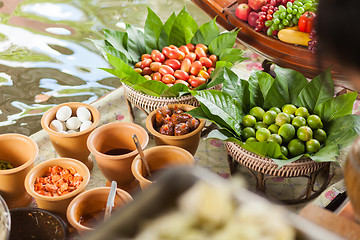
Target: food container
<point x="88" y="203"/>
<point x="116" y="166"/>
<point x="57" y="204"/>
<point x="71" y="145"/>
<point x="5" y="220"/>
<point x="163" y="196"/>
<point x="21" y="152"/>
<point x="35" y="223"/>
<point x="189" y="141"/>
<point x="159" y="158"/>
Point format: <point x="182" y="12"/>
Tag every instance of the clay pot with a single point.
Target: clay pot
<point x="189" y="142"/>
<point x="71" y="145"/>
<point x="92" y="201"/>
<point x="112" y="136"/>
<point x="21" y="152"/>
<point x="159" y="158"/>
<point x="56" y="204"/>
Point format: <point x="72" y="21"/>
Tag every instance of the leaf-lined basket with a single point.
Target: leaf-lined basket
<point x="226" y="108"/>
<point x="123" y="49"/>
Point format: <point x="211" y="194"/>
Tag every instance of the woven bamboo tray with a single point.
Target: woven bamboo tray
<point x="149" y="103"/>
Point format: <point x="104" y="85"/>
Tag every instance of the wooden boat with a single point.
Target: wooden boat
<point x="286" y="55"/>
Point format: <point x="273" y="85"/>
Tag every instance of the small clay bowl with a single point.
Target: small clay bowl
<point x="159" y="158"/>
<point x="35" y="223"/>
<point x="57" y="204"/>
<point x="189" y="141"/>
<point x="93" y="201"/>
<point x="117" y="135"/>
<point x="71" y="145"/>
<point x="21" y="152"/>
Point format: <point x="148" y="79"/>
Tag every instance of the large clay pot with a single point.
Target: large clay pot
<point x="159" y="158"/>
<point x="21" y="152"/>
<point x="189" y="142"/>
<point x="92" y="201"/>
<point x="71" y="145"/>
<point x="352" y="177"/>
<point x="112" y="136"/>
<point x="56" y="204"/>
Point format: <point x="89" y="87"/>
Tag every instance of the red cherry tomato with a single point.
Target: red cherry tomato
<point x="191" y="56"/>
<point x="203" y="46"/>
<point x="168" y="78"/>
<point x="147" y="71"/>
<point x="204" y="74"/>
<point x="184" y="49"/>
<point x="157" y="76"/>
<point x="182" y="82"/>
<point x="165" y="69"/>
<point x="173" y="63"/>
<point x="191" y="47"/>
<point x="213" y="59"/>
<point x="146" y="63"/>
<point x="155" y="66"/>
<point x="206" y="62"/>
<point x="199" y="52"/>
<point x="197" y="81"/>
<point x="185" y="65"/>
<point x="180" y="74"/>
<point x="145" y="56"/>
<point x="195" y="68"/>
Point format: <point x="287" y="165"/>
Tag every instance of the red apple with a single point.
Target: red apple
<point x="242" y="11"/>
<point x="253" y="16"/>
<point x="256" y="4"/>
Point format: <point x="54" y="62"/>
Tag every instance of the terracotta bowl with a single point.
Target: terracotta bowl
<point x="71" y="145"/>
<point x="113" y="136"/>
<point x="159" y="158"/>
<point x="189" y="142"/>
<point x="56" y="204"/>
<point x="92" y="201"/>
<point x="21" y="152"/>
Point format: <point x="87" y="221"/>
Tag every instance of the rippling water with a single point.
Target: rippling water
<point x="46" y="59"/>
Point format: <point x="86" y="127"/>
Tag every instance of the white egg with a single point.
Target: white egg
<point x="72" y="131"/>
<point x="56" y="125"/>
<point x="85" y="125"/>
<point x="63" y="113"/>
<point x="73" y="123"/>
<point x="83" y="114"/>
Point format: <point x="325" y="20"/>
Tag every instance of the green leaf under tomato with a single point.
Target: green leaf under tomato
<point x="153" y="88"/>
<point x="183" y="29"/>
<point x="206" y="33"/>
<point x="256" y="96"/>
<point x="233" y="55"/>
<point x="118" y="40"/>
<point x="121" y="70"/>
<point x="174" y="91"/>
<point x="152" y="29"/>
<point x="336" y="107"/>
<point x="225" y="40"/>
<point x="135" y="43"/>
<point x="111" y="50"/>
<point x="165" y="32"/>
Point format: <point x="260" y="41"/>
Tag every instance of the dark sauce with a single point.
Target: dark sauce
<point x="118" y="151"/>
<point x="90" y="220"/>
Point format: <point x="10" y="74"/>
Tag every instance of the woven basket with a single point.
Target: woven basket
<point x="149" y="103"/>
<point x="268" y="166"/>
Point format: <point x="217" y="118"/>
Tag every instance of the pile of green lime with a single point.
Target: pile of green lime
<point x="294" y="129"/>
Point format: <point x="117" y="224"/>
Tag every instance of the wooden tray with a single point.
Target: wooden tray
<point x="286" y="55"/>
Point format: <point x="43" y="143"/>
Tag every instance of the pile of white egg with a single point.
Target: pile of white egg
<point x="65" y="123"/>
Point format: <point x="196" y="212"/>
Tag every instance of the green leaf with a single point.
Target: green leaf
<point x="152" y="29"/>
<point x="153" y="88"/>
<point x="225" y="40"/>
<point x="289" y="83"/>
<point x="135" y="43"/>
<point x="183" y="29"/>
<point x="282" y="162"/>
<point x="223" y="135"/>
<point x="336" y="107"/>
<point x="165" y="32"/>
<point x="328" y="153"/>
<point x="206" y="33"/>
<point x="198" y="113"/>
<point x="216" y="77"/>
<point x="223" y="106"/>
<point x="237" y="88"/>
<point x="343" y="130"/>
<point x="111" y="50"/>
<point x="256" y="96"/>
<point x="320" y="89"/>
<point x="133" y="80"/>
<point x="233" y="55"/>
<point x="118" y="40"/>
<point x="265" y="149"/>
<point x="175" y="90"/>
<point x="121" y="70"/>
<point x="220" y="64"/>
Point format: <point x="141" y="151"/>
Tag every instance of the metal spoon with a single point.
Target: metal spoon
<point x="110" y="200"/>
<point x="142" y="156"/>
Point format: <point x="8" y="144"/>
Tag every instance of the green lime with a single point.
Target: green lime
<point x="292" y="116"/>
<point x="262" y="134"/>
<point x="296" y="147"/>
<point x="257" y="112"/>
<point x="282" y="118"/>
<point x="275" y="138"/>
<point x="298" y="121"/>
<point x="273" y="128"/>
<point x="259" y="125"/>
<point x="289" y="109"/>
<point x="248" y="121"/>
<point x="312" y="146"/>
<point x="269" y="117"/>
<point x="248" y="132"/>
<point x="284" y="151"/>
<point x="304" y="133"/>
<point x="314" y="122"/>
<point x="275" y="109"/>
<point x="319" y="135"/>
<point x="302" y="112"/>
<point x="251" y="139"/>
<point x="287" y="132"/>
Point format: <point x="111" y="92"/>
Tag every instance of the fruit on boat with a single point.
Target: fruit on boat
<point x="306" y="22"/>
<point x="256" y="4"/>
<point x="294" y="37"/>
<point x="242" y="11"/>
<point x="253" y="17"/>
